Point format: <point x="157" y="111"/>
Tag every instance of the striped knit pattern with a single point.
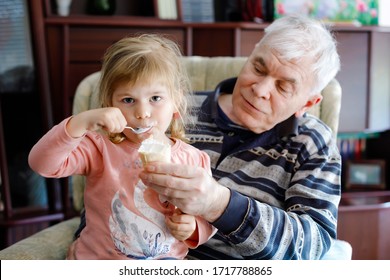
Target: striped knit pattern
<point x="285" y="194"/>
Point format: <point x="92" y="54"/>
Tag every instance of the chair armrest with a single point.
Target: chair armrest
<point x="340" y="250"/>
<point x="49" y="244"/>
<point x="331" y="105"/>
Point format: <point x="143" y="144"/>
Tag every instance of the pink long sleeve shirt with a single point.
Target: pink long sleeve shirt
<point x="125" y="219"/>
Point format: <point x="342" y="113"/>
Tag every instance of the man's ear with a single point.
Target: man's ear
<point x="315" y="99"/>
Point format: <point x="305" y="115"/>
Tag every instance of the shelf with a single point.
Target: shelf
<point x="145" y="21"/>
<point x="123" y="7"/>
<point x="24" y="216"/>
<point x="133" y="20"/>
<point x="365" y="199"/>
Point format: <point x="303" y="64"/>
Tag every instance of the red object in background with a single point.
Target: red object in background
<point x="252" y="10"/>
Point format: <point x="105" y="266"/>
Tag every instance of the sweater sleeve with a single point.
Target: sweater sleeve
<point x="205" y="232"/>
<point x="58" y="155"/>
<point x="238" y="204"/>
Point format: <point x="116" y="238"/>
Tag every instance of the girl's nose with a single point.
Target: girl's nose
<point x="142" y="112"/>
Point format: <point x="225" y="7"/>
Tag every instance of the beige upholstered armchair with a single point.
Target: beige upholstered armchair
<point x="205" y="74"/>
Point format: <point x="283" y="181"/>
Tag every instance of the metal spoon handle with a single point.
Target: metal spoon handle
<point x="139" y="130"/>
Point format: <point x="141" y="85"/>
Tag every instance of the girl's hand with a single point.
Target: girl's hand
<point x="110" y="119"/>
<point x="182" y="226"/>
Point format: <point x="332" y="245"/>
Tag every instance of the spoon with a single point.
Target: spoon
<point x="139" y="130"/>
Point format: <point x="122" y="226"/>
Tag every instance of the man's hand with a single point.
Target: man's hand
<point x="189" y="188"/>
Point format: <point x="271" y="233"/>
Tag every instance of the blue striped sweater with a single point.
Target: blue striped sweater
<point x="285" y="185"/>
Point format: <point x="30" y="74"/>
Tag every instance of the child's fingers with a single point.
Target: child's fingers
<point x="182" y="218"/>
<point x="181" y="226"/>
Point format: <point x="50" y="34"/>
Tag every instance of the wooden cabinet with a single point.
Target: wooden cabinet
<point x="20" y="215"/>
<point x="364" y="221"/>
<point x="364" y="78"/>
<point x="76" y="44"/>
<point x="26" y="206"/>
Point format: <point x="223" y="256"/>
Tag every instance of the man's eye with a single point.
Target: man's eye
<point x="285" y="88"/>
<point x="155" y="98"/>
<point x="128" y="100"/>
<point x="260" y="71"/>
<point x="287" y="92"/>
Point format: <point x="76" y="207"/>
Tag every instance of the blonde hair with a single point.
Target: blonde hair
<point x="145" y="58"/>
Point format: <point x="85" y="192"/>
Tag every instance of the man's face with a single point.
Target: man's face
<point x="270" y="90"/>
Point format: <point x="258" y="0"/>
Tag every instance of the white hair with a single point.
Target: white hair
<point x="296" y="37"/>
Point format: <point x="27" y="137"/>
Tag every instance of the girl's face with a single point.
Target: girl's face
<point x="143" y="105"/>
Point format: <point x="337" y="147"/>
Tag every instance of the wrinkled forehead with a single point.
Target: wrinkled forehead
<point x="266" y="55"/>
<point x="297" y="69"/>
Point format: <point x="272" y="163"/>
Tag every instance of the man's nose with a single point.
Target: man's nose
<point x="263" y="88"/>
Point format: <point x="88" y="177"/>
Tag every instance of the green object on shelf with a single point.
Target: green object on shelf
<point x="357" y="135"/>
<point x="363" y="12"/>
<point x="101" y="7"/>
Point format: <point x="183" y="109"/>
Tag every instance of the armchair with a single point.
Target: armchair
<point x="205" y="74"/>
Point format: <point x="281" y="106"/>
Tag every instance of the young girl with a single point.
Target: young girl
<point x="143" y="85"/>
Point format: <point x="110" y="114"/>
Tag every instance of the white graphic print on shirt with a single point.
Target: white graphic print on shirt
<point x="139" y="237"/>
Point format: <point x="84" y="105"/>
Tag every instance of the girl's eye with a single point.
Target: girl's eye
<point x="128" y="100"/>
<point x="155" y="98"/>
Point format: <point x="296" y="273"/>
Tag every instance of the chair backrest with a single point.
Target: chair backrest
<point x="205" y="73"/>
